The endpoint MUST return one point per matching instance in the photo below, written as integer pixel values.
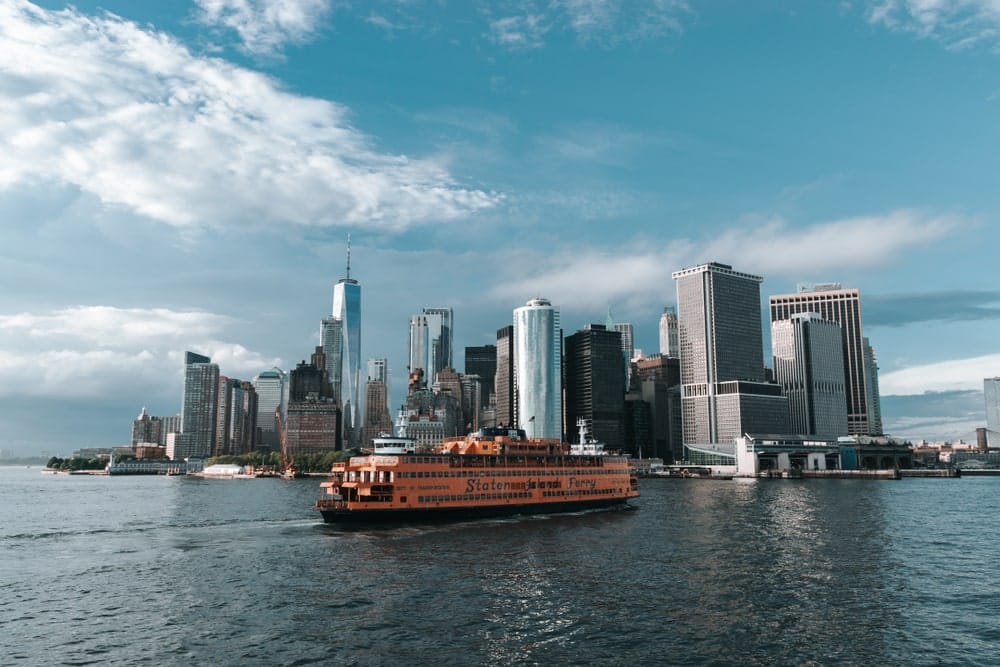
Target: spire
(610, 322)
(348, 255)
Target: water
(168, 570)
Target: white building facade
(538, 369)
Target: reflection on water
(178, 571)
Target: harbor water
(181, 571)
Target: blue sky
(183, 175)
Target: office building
(538, 369)
(198, 411)
(991, 392)
(504, 379)
(842, 306)
(658, 380)
(669, 343)
(313, 421)
(440, 334)
(146, 428)
(331, 339)
(595, 384)
(481, 361)
(378, 369)
(419, 359)
(236, 418)
(809, 366)
(871, 388)
(347, 309)
(724, 393)
(270, 387)
(377, 418)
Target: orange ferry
(494, 472)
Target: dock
(931, 472)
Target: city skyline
(176, 176)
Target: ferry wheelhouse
(493, 472)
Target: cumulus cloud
(264, 26)
(132, 117)
(94, 351)
(642, 272)
(956, 23)
(950, 375)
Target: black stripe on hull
(435, 514)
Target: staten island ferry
(493, 472)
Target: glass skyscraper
(538, 369)
(347, 309)
(270, 386)
(198, 413)
(595, 385)
(440, 328)
(331, 339)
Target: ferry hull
(445, 514)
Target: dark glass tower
(595, 384)
(481, 360)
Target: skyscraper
(991, 392)
(723, 389)
(481, 360)
(809, 366)
(627, 343)
(595, 385)
(377, 419)
(440, 327)
(871, 387)
(146, 428)
(538, 369)
(331, 339)
(378, 369)
(313, 417)
(506, 404)
(198, 412)
(236, 418)
(669, 345)
(270, 386)
(419, 358)
(347, 309)
(842, 306)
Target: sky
(184, 175)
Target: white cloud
(608, 21)
(957, 23)
(100, 351)
(614, 20)
(264, 26)
(775, 248)
(950, 375)
(519, 32)
(641, 272)
(132, 117)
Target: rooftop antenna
(348, 255)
